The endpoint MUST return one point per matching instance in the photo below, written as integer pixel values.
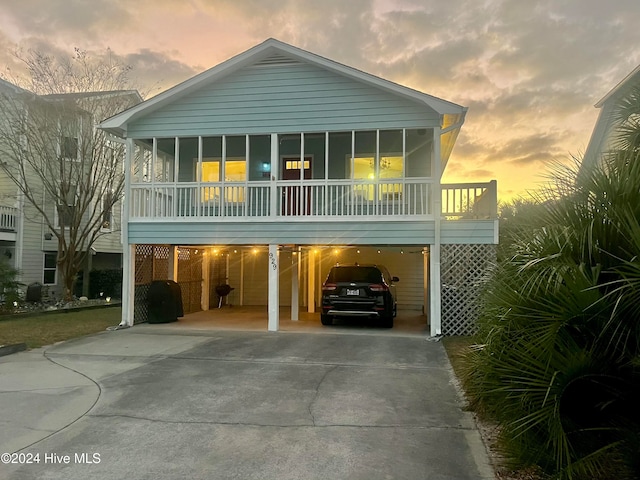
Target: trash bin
(34, 292)
(164, 301)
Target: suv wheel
(326, 319)
(386, 321)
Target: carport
(292, 289)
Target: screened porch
(328, 175)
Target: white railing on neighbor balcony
(309, 199)
(8, 218)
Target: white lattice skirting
(463, 268)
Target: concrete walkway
(153, 402)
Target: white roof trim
(117, 124)
(618, 87)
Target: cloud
(56, 17)
(529, 72)
(157, 71)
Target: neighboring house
(601, 137)
(266, 169)
(25, 239)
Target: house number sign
(274, 263)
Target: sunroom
(338, 174)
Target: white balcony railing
(309, 199)
(470, 200)
(8, 219)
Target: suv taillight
(378, 287)
(329, 287)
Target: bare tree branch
(63, 165)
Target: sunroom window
(378, 157)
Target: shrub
(558, 355)
(107, 282)
(9, 286)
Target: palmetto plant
(558, 357)
(626, 121)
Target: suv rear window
(354, 274)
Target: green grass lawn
(48, 328)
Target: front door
(296, 199)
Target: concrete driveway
(162, 403)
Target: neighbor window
(65, 212)
(69, 148)
(49, 270)
(107, 212)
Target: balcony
(8, 217)
(310, 200)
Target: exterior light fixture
(108, 299)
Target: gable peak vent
(277, 60)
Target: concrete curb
(9, 349)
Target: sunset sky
(530, 71)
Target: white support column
(434, 256)
(128, 251)
(295, 284)
(426, 279)
(435, 290)
(274, 288)
(311, 282)
(172, 274)
(241, 301)
(318, 278)
(275, 169)
(206, 281)
(128, 284)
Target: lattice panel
(190, 278)
(140, 305)
(144, 264)
(161, 262)
(151, 263)
(463, 269)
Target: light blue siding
(280, 99)
(261, 233)
(324, 233)
(469, 232)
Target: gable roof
(11, 86)
(619, 89)
(604, 123)
(269, 51)
(106, 94)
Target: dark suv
(359, 291)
